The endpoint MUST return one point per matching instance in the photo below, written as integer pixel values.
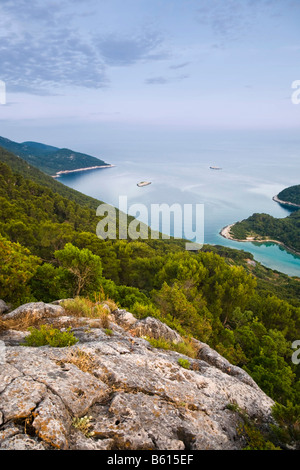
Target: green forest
(49, 250)
(48, 158)
(264, 226)
(291, 194)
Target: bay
(256, 165)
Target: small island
(264, 228)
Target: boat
(143, 183)
(215, 168)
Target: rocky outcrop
(38, 310)
(115, 391)
(155, 329)
(3, 307)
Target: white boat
(143, 183)
(215, 168)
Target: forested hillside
(48, 158)
(49, 250)
(28, 171)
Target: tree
(83, 265)
(17, 266)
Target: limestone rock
(52, 421)
(78, 390)
(215, 359)
(21, 442)
(156, 329)
(3, 307)
(135, 396)
(37, 310)
(123, 318)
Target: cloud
(157, 81)
(42, 51)
(231, 20)
(43, 62)
(118, 50)
(179, 66)
(47, 46)
(164, 80)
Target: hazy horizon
(74, 70)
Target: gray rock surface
(156, 329)
(38, 310)
(3, 307)
(133, 395)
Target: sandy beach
(63, 172)
(225, 232)
(286, 203)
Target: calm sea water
(255, 167)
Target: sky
(73, 67)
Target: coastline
(285, 203)
(63, 172)
(225, 232)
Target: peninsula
(264, 228)
(229, 233)
(289, 196)
(52, 160)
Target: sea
(255, 166)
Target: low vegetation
(84, 307)
(184, 363)
(46, 335)
(83, 424)
(184, 347)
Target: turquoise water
(255, 167)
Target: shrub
(287, 429)
(81, 359)
(184, 363)
(83, 307)
(185, 347)
(83, 424)
(108, 332)
(47, 335)
(79, 307)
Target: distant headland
(51, 160)
(289, 196)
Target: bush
(184, 363)
(108, 332)
(83, 424)
(185, 347)
(47, 335)
(83, 307)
